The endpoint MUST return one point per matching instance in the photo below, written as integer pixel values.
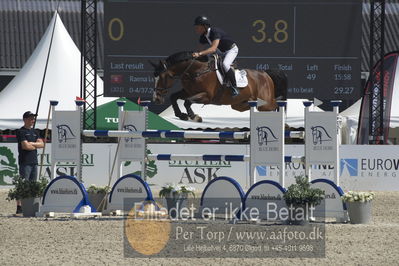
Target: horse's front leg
(173, 99)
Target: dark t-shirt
(24, 156)
(225, 42)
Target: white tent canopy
(350, 117)
(223, 116)
(61, 83)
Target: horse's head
(163, 81)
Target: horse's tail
(280, 83)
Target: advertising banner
(372, 93)
(362, 167)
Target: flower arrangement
(301, 193)
(175, 190)
(353, 196)
(24, 188)
(98, 189)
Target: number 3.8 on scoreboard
(277, 32)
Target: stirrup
(234, 91)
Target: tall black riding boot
(232, 82)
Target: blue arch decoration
(228, 179)
(270, 182)
(84, 201)
(138, 178)
(331, 183)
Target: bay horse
(201, 85)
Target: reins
(192, 75)
(196, 74)
(188, 67)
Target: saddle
(240, 75)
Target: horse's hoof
(183, 116)
(196, 118)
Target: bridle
(185, 73)
(194, 75)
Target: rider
(220, 43)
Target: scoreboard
(316, 43)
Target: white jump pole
(308, 166)
(121, 122)
(79, 109)
(144, 104)
(335, 105)
(53, 159)
(168, 134)
(281, 111)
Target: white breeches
(229, 57)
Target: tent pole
(45, 68)
(45, 141)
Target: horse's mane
(179, 57)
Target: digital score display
(316, 43)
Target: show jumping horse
(201, 85)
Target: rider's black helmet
(202, 20)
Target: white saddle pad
(241, 78)
(241, 75)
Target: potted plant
(359, 206)
(97, 196)
(300, 197)
(175, 196)
(29, 192)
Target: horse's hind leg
(190, 112)
(201, 97)
(268, 107)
